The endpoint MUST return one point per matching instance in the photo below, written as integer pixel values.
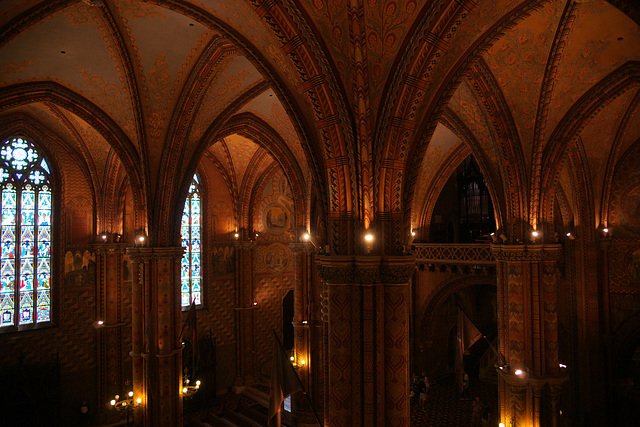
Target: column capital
(144, 253)
(366, 270)
(550, 252)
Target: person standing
(465, 385)
(423, 393)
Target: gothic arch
(568, 131)
(332, 133)
(27, 93)
(444, 291)
(415, 118)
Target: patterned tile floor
(443, 409)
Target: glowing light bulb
(130, 394)
(138, 400)
(413, 233)
(184, 390)
(291, 358)
(518, 372)
(305, 236)
(302, 362)
(113, 402)
(535, 233)
(236, 235)
(368, 237)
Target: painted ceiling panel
(233, 76)
(241, 17)
(74, 50)
(467, 107)
(161, 32)
(43, 114)
(388, 23)
(567, 186)
(597, 139)
(601, 40)
(219, 153)
(84, 50)
(268, 108)
(632, 134)
(332, 21)
(440, 147)
(96, 145)
(518, 61)
(242, 150)
(475, 24)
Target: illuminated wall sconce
(140, 240)
(236, 235)
(368, 238)
(413, 233)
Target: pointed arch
(567, 133)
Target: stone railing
(472, 257)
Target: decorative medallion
(276, 219)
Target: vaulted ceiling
(389, 95)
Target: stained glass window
(25, 262)
(190, 278)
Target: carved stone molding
(365, 269)
(527, 252)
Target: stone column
(368, 339)
(156, 321)
(111, 376)
(528, 277)
(244, 315)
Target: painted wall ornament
(634, 266)
(277, 219)
(276, 257)
(80, 268)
